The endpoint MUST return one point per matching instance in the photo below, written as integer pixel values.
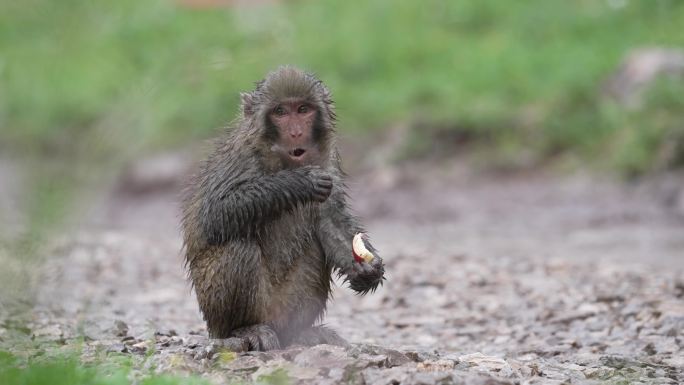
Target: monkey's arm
(337, 227)
(240, 206)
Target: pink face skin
(295, 122)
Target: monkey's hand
(366, 273)
(321, 182)
(365, 277)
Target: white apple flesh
(361, 253)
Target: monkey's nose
(296, 133)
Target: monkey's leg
(316, 335)
(259, 337)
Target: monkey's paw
(321, 182)
(259, 337)
(364, 277)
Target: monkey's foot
(320, 335)
(259, 337)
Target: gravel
(506, 280)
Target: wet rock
(239, 364)
(433, 377)
(581, 313)
(436, 366)
(129, 340)
(676, 361)
(617, 362)
(639, 69)
(393, 357)
(166, 333)
(139, 348)
(226, 344)
(480, 360)
(195, 341)
(601, 372)
(323, 356)
(53, 332)
(120, 328)
(417, 355)
(117, 348)
(276, 374)
(378, 361)
(392, 376)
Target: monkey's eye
(303, 109)
(280, 111)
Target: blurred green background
(112, 78)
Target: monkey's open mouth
(297, 152)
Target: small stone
(326, 356)
(377, 361)
(175, 341)
(617, 362)
(435, 366)
(227, 344)
(120, 328)
(393, 376)
(117, 348)
(418, 355)
(650, 349)
(166, 332)
(51, 331)
(488, 362)
(140, 347)
(128, 340)
(394, 357)
(602, 372)
(239, 364)
(676, 361)
(163, 341)
(194, 341)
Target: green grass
(111, 79)
(68, 371)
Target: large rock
(639, 69)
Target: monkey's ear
(247, 103)
(328, 101)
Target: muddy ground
(491, 279)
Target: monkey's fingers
(321, 182)
(322, 191)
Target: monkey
(266, 223)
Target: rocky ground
(525, 279)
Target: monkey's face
(297, 137)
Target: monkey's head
(294, 114)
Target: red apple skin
(357, 258)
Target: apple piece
(361, 253)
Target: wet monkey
(265, 219)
